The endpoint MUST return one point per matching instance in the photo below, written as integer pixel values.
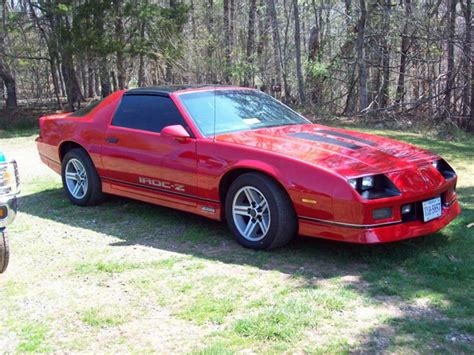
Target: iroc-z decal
(161, 184)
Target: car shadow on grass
(437, 269)
(135, 223)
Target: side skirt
(205, 208)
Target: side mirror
(175, 131)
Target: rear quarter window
(147, 113)
(86, 110)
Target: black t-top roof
(165, 90)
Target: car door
(136, 157)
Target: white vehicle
(9, 189)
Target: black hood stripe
(323, 139)
(347, 136)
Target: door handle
(112, 140)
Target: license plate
(431, 209)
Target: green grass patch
(99, 319)
(33, 338)
(115, 267)
(336, 346)
(280, 321)
(208, 309)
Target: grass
(126, 276)
(113, 267)
(33, 336)
(208, 309)
(97, 318)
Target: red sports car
(236, 154)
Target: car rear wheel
(259, 212)
(4, 251)
(80, 179)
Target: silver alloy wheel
(76, 178)
(251, 213)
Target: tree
(360, 45)
(404, 47)
(271, 10)
(299, 70)
(250, 43)
(5, 73)
(450, 73)
(227, 48)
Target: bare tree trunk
(250, 43)
(451, 75)
(210, 77)
(276, 41)
(262, 53)
(360, 45)
(5, 72)
(54, 75)
(2, 92)
(61, 81)
(96, 81)
(227, 49)
(299, 70)
(82, 68)
(53, 54)
(193, 20)
(314, 83)
(62, 26)
(105, 85)
(384, 92)
(231, 23)
(120, 39)
(470, 123)
(73, 91)
(169, 63)
(386, 76)
(467, 51)
(90, 75)
(10, 85)
(403, 54)
(141, 59)
(114, 81)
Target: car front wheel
(259, 212)
(80, 179)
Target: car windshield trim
(237, 110)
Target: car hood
(348, 153)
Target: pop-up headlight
(444, 168)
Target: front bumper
(10, 207)
(381, 234)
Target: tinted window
(147, 112)
(85, 110)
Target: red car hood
(345, 152)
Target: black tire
(93, 194)
(4, 251)
(283, 223)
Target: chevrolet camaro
(239, 155)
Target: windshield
(237, 110)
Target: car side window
(147, 113)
